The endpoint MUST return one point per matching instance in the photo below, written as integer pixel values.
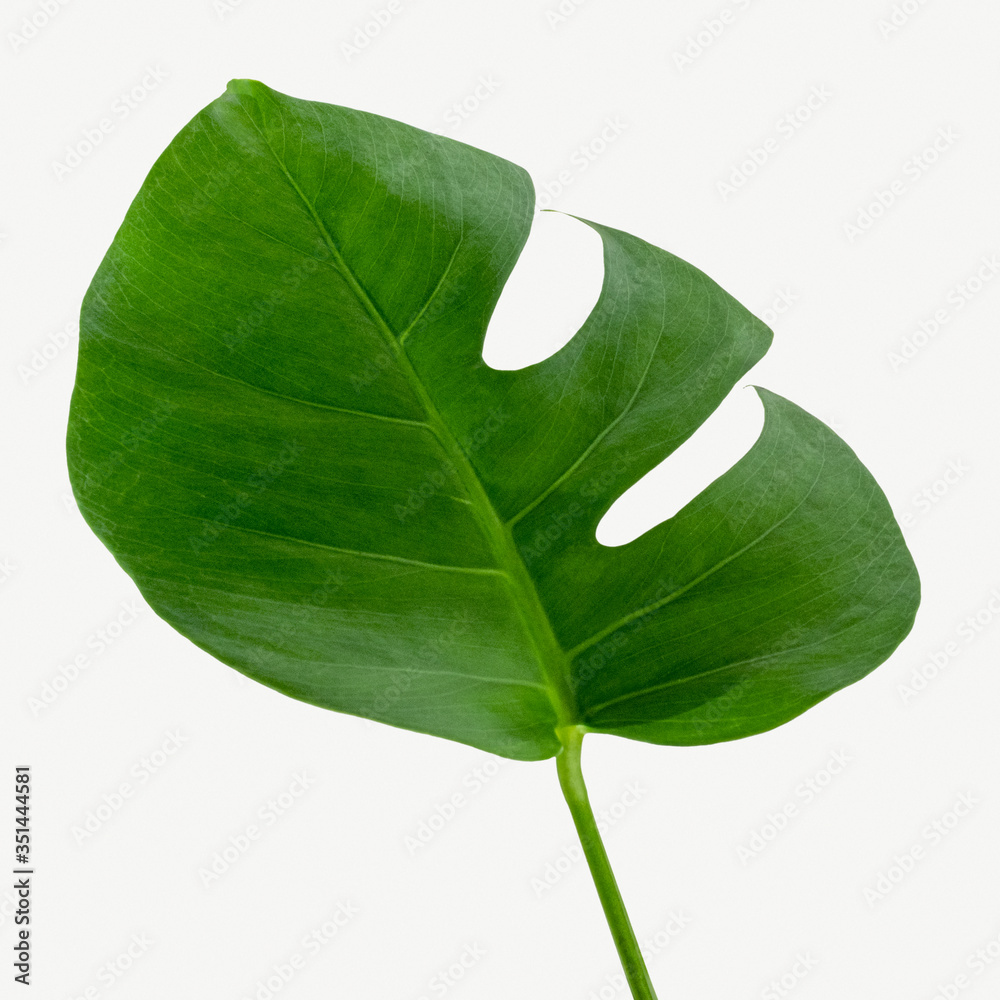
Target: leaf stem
(575, 792)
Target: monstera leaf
(284, 430)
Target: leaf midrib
(552, 660)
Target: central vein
(552, 659)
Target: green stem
(575, 791)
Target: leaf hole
(551, 291)
(721, 441)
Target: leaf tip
(764, 394)
(246, 88)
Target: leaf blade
(284, 430)
(865, 594)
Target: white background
(927, 429)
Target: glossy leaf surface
(284, 430)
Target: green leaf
(284, 430)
